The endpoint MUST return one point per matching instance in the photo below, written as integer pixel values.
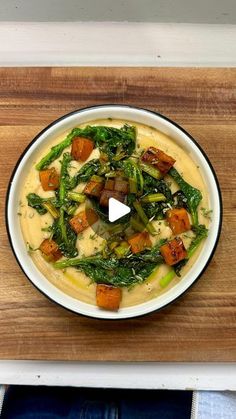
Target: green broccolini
(134, 174)
(115, 142)
(36, 202)
(148, 196)
(193, 195)
(64, 178)
(123, 272)
(156, 210)
(40, 204)
(63, 235)
(201, 233)
(57, 150)
(85, 173)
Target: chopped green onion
(136, 224)
(97, 179)
(133, 186)
(134, 174)
(76, 196)
(122, 250)
(71, 209)
(116, 229)
(113, 245)
(154, 197)
(150, 170)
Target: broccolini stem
(166, 279)
(62, 226)
(192, 249)
(74, 262)
(51, 209)
(153, 274)
(64, 177)
(201, 234)
(56, 150)
(144, 218)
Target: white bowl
(68, 122)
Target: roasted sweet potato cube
(178, 220)
(121, 185)
(81, 148)
(83, 219)
(106, 195)
(93, 188)
(159, 159)
(173, 251)
(109, 185)
(139, 241)
(92, 216)
(49, 179)
(108, 296)
(50, 249)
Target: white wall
(116, 44)
(185, 11)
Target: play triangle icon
(116, 210)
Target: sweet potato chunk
(178, 220)
(50, 249)
(108, 296)
(81, 148)
(109, 185)
(158, 159)
(106, 195)
(121, 185)
(93, 188)
(49, 179)
(139, 242)
(83, 219)
(173, 251)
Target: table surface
(201, 325)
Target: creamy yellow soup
(76, 283)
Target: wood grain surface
(201, 325)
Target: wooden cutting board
(201, 325)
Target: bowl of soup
(113, 211)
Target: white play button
(116, 209)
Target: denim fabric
(216, 405)
(25, 402)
